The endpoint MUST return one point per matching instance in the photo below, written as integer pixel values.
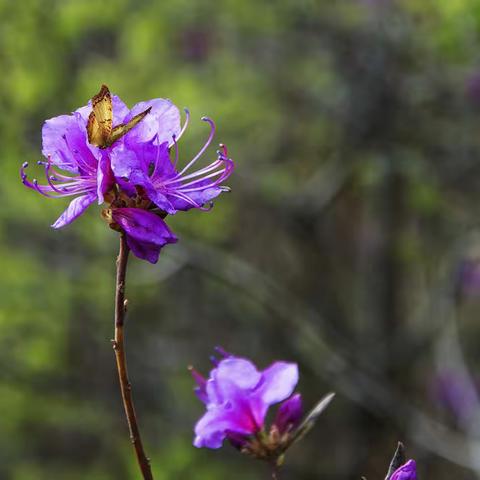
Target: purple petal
(146, 232)
(212, 428)
(124, 161)
(158, 198)
(75, 209)
(162, 122)
(135, 163)
(200, 390)
(408, 471)
(105, 178)
(144, 250)
(278, 382)
(201, 197)
(120, 110)
(237, 371)
(289, 414)
(64, 142)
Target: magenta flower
(408, 471)
(238, 396)
(106, 152)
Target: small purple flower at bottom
(237, 396)
(408, 471)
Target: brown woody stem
(119, 348)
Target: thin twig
(119, 348)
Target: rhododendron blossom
(237, 396)
(107, 153)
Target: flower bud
(289, 414)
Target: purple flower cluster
(134, 173)
(237, 397)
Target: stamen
(207, 169)
(224, 149)
(71, 186)
(222, 352)
(207, 144)
(184, 197)
(214, 174)
(156, 166)
(187, 120)
(198, 377)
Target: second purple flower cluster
(106, 152)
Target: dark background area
(350, 243)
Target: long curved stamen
(197, 185)
(68, 187)
(223, 174)
(50, 178)
(157, 156)
(207, 144)
(207, 169)
(186, 198)
(214, 174)
(185, 124)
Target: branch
(119, 348)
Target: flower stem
(119, 348)
(275, 470)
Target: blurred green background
(350, 243)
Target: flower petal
(134, 162)
(212, 428)
(144, 250)
(163, 121)
(146, 232)
(64, 142)
(239, 371)
(76, 207)
(105, 177)
(124, 162)
(201, 198)
(407, 471)
(278, 382)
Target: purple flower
(237, 397)
(106, 152)
(408, 471)
(87, 171)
